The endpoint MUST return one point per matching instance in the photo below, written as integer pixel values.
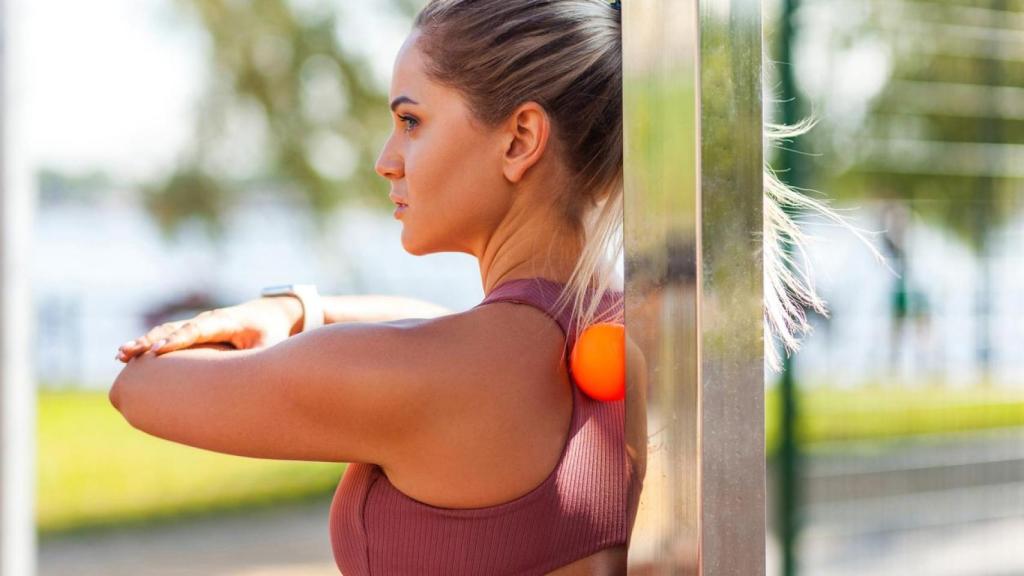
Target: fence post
(17, 389)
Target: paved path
(292, 541)
(984, 548)
(948, 509)
(942, 506)
(285, 540)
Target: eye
(411, 122)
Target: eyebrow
(400, 100)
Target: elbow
(114, 396)
(119, 397)
(118, 394)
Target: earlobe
(527, 133)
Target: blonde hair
(788, 284)
(565, 55)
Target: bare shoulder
(487, 347)
(500, 406)
(496, 324)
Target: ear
(526, 136)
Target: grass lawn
(95, 470)
(883, 411)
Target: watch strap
(312, 306)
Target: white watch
(312, 308)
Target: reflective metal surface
(693, 166)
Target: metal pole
(693, 219)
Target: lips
(397, 199)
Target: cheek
(454, 174)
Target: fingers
(209, 326)
(187, 334)
(142, 344)
(212, 326)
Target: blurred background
(181, 154)
(896, 435)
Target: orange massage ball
(598, 361)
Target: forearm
(364, 308)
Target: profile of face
(456, 176)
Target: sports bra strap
(543, 294)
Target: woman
(471, 449)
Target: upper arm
(352, 392)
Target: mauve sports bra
(587, 503)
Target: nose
(389, 163)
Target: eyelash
(409, 119)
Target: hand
(253, 324)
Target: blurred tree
(909, 117)
(289, 106)
(922, 104)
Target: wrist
(289, 307)
(308, 298)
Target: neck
(529, 247)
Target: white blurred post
(17, 386)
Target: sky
(112, 84)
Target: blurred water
(97, 269)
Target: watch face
(277, 290)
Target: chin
(416, 252)
(411, 247)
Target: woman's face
(443, 166)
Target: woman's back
(537, 480)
